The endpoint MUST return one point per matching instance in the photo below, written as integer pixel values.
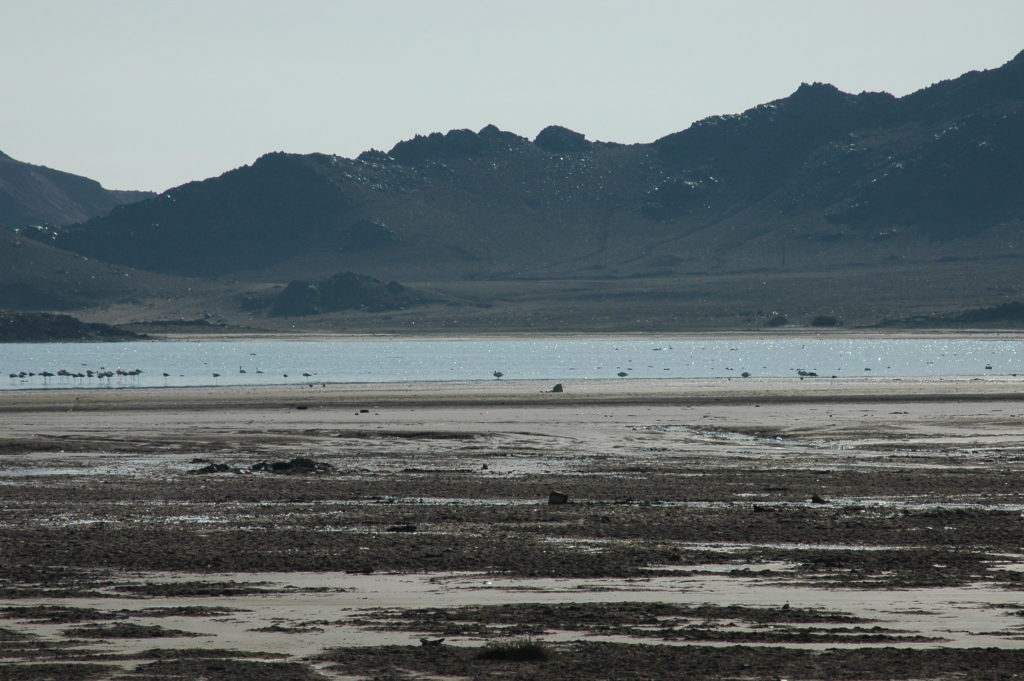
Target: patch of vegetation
(281, 629)
(515, 650)
(887, 569)
(585, 661)
(198, 653)
(33, 648)
(219, 669)
(180, 589)
(11, 635)
(616, 616)
(55, 672)
(57, 614)
(661, 620)
(181, 611)
(125, 630)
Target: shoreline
(839, 333)
(751, 334)
(523, 393)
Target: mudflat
(812, 529)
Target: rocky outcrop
(21, 327)
(343, 291)
(559, 140)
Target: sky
(150, 94)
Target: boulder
(558, 498)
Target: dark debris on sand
(298, 466)
(585, 661)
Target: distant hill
(343, 291)
(23, 327)
(35, 195)
(35, 275)
(818, 179)
(444, 212)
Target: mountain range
(863, 206)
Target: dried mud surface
(397, 532)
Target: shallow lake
(206, 363)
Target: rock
(407, 527)
(558, 140)
(558, 498)
(826, 320)
(214, 468)
(342, 291)
(815, 499)
(375, 156)
(558, 388)
(437, 147)
(297, 466)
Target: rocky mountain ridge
(818, 201)
(818, 178)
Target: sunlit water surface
(208, 363)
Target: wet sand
(689, 526)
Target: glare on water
(211, 363)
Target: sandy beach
(755, 528)
(668, 392)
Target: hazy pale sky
(147, 94)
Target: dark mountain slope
(965, 179)
(815, 181)
(247, 218)
(745, 156)
(36, 195)
(24, 327)
(36, 276)
(459, 204)
(970, 92)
